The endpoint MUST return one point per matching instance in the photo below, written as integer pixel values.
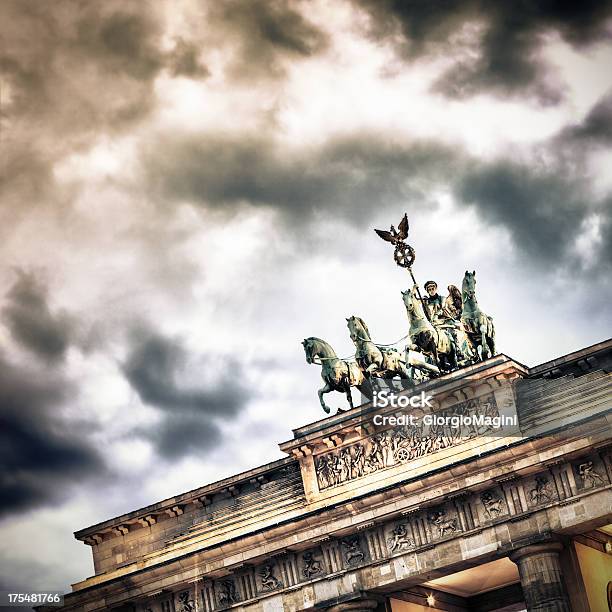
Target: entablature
(542, 483)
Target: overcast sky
(188, 189)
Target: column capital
(356, 605)
(536, 549)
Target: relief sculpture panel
(404, 443)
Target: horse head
(307, 344)
(358, 328)
(406, 299)
(411, 300)
(315, 347)
(468, 287)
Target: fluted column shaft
(541, 577)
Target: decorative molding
(93, 540)
(512, 498)
(120, 530)
(397, 446)
(174, 511)
(203, 501)
(147, 521)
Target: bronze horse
(476, 324)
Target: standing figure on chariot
(445, 312)
(434, 303)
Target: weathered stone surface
(274, 538)
(541, 577)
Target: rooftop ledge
(443, 384)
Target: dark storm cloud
(31, 321)
(156, 368)
(605, 235)
(347, 177)
(505, 57)
(261, 35)
(595, 130)
(72, 72)
(184, 60)
(184, 434)
(79, 67)
(542, 208)
(82, 66)
(41, 454)
(542, 205)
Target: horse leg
(349, 397)
(417, 360)
(436, 356)
(472, 348)
(483, 340)
(477, 346)
(320, 392)
(452, 357)
(403, 372)
(365, 388)
(491, 338)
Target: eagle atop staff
(403, 254)
(395, 236)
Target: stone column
(541, 577)
(356, 605)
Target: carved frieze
(404, 443)
(542, 492)
(312, 565)
(589, 476)
(445, 524)
(227, 593)
(185, 602)
(419, 529)
(400, 538)
(269, 581)
(352, 551)
(493, 504)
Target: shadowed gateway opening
(493, 586)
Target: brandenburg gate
(359, 516)
(497, 496)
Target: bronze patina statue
(434, 303)
(375, 360)
(477, 325)
(452, 303)
(337, 374)
(425, 336)
(445, 314)
(403, 254)
(445, 333)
